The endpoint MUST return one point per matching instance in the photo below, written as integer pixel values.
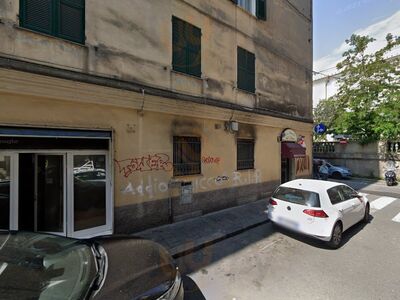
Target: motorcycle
(390, 175)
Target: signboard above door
(288, 135)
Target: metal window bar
(186, 155)
(245, 154)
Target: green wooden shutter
(251, 77)
(241, 68)
(261, 9)
(245, 70)
(178, 45)
(71, 20)
(37, 15)
(193, 50)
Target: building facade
(119, 115)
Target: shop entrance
(41, 188)
(56, 181)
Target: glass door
(89, 194)
(8, 191)
(49, 206)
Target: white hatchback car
(321, 209)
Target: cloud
(378, 31)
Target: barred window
(245, 154)
(187, 153)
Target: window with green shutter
(186, 47)
(60, 18)
(246, 62)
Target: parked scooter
(390, 174)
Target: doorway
(42, 193)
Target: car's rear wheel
(337, 175)
(366, 214)
(336, 238)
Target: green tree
(367, 105)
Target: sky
(337, 20)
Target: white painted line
(382, 202)
(3, 267)
(396, 218)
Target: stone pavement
(191, 235)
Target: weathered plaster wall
(141, 193)
(131, 40)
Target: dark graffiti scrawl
(156, 162)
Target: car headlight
(173, 291)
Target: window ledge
(247, 92)
(50, 36)
(186, 74)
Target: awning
(292, 150)
(57, 133)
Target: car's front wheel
(336, 238)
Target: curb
(217, 240)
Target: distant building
(121, 115)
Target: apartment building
(119, 115)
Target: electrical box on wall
(232, 126)
(186, 193)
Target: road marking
(382, 202)
(396, 218)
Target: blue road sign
(320, 128)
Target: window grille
(186, 155)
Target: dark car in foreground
(42, 266)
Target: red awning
(292, 150)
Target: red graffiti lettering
(156, 162)
(210, 160)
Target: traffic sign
(320, 128)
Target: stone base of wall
(137, 217)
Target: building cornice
(20, 77)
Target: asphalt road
(264, 263)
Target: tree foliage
(367, 105)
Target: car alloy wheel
(336, 238)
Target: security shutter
(245, 70)
(261, 9)
(37, 15)
(71, 20)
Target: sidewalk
(191, 235)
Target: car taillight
(273, 202)
(315, 213)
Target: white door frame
(68, 190)
(95, 231)
(13, 213)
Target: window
(334, 195)
(186, 40)
(246, 70)
(245, 154)
(347, 192)
(187, 152)
(297, 196)
(255, 7)
(60, 18)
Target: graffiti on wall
(155, 162)
(152, 186)
(302, 164)
(210, 160)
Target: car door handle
(341, 210)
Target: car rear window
(297, 196)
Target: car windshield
(39, 266)
(297, 196)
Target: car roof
(317, 186)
